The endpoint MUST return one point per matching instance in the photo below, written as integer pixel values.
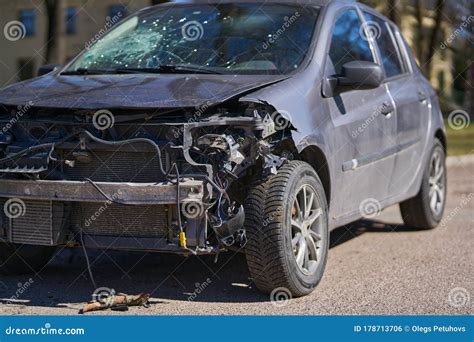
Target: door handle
(387, 109)
(422, 96)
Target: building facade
(24, 26)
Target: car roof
(291, 2)
(319, 3)
(295, 2)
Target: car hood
(131, 91)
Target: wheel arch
(441, 136)
(315, 157)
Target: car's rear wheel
(287, 230)
(425, 211)
(23, 259)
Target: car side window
(347, 43)
(389, 52)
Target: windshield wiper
(168, 69)
(85, 71)
(162, 69)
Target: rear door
(365, 133)
(411, 102)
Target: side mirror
(355, 75)
(46, 69)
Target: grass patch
(460, 141)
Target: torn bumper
(124, 216)
(127, 193)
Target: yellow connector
(182, 239)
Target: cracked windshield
(227, 39)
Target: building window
(71, 22)
(26, 68)
(28, 19)
(117, 11)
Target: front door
(365, 139)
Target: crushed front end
(165, 181)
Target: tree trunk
(419, 32)
(470, 71)
(393, 11)
(55, 52)
(470, 91)
(434, 43)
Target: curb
(460, 160)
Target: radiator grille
(137, 167)
(118, 220)
(43, 221)
(38, 223)
(35, 225)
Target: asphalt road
(375, 267)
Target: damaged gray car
(209, 126)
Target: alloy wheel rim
(437, 184)
(306, 229)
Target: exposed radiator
(43, 222)
(119, 220)
(119, 166)
(38, 223)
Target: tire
(23, 259)
(270, 252)
(418, 212)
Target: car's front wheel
(287, 230)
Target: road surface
(377, 267)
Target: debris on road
(117, 302)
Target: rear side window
(389, 52)
(347, 43)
